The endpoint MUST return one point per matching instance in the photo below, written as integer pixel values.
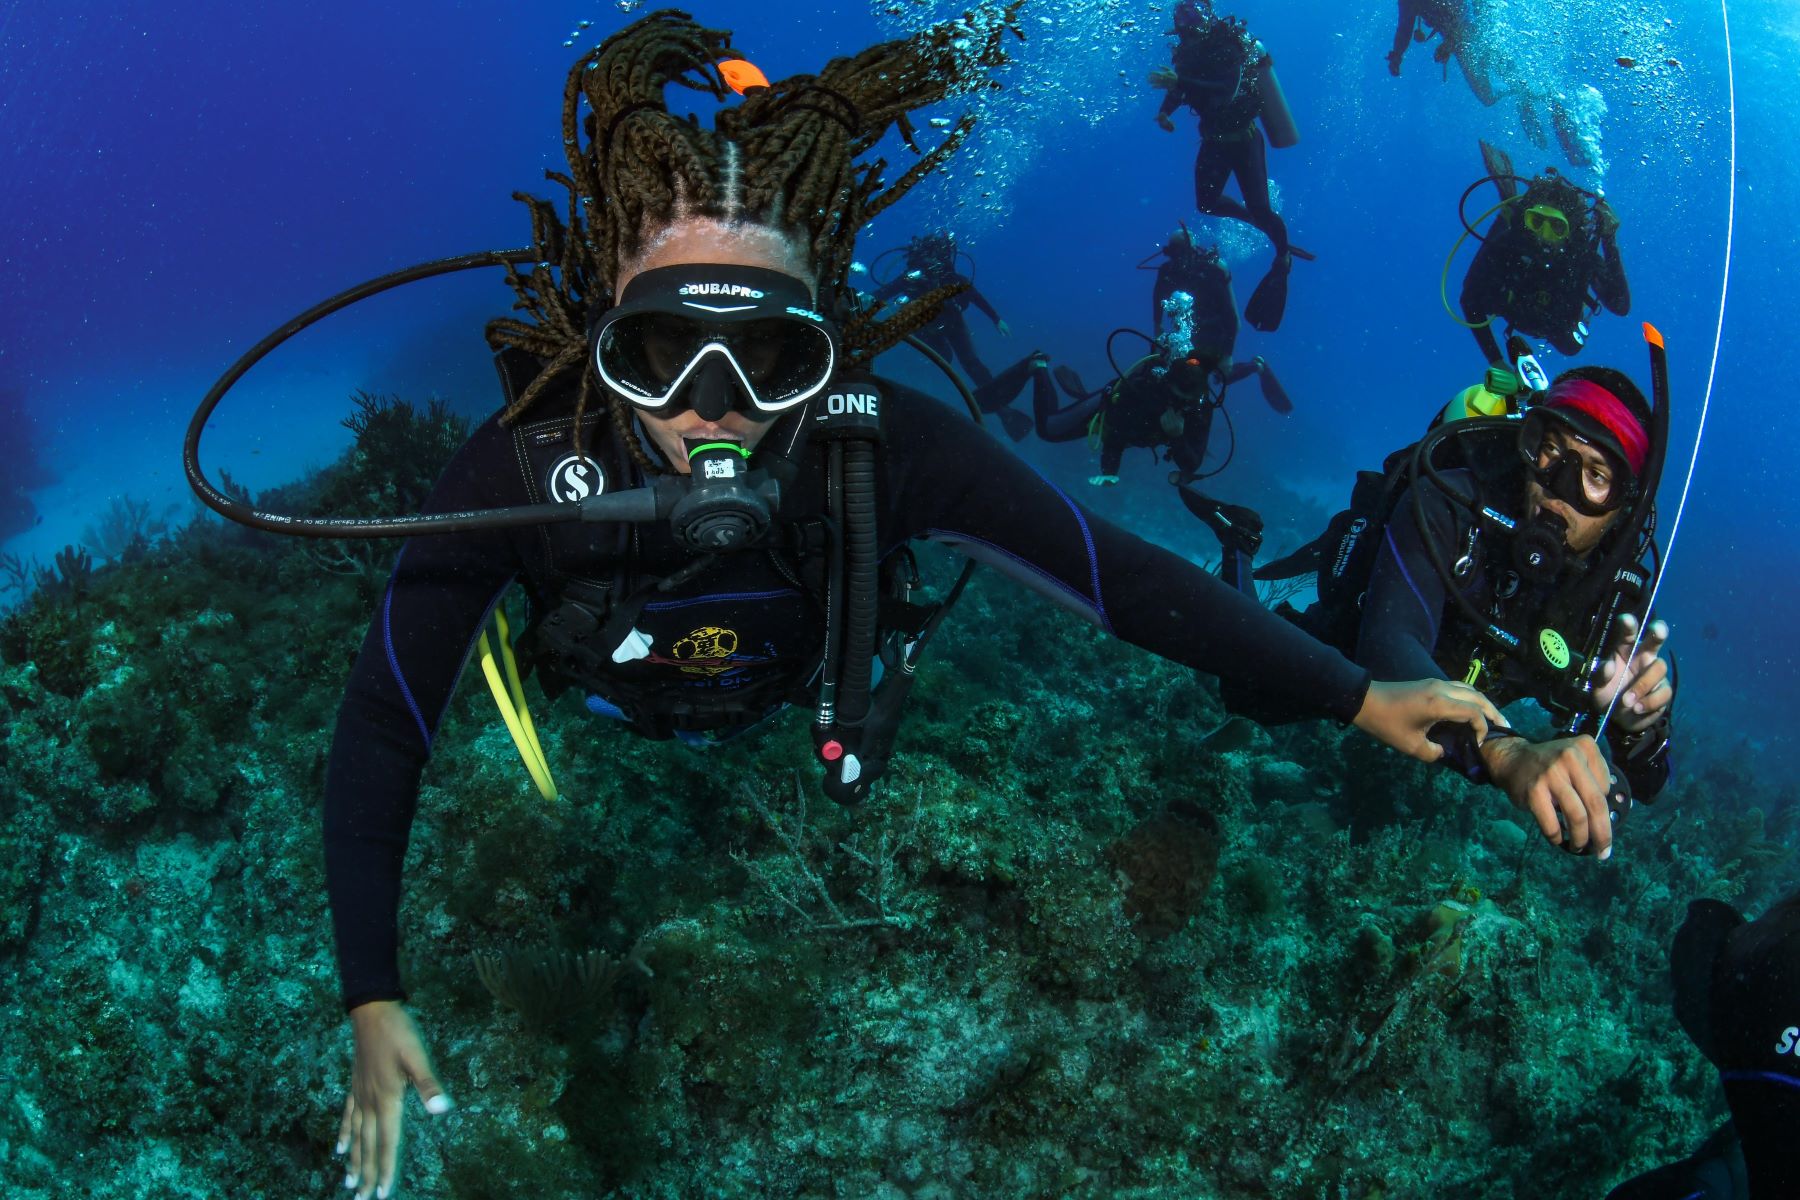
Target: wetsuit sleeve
(424, 625)
(1611, 285)
(953, 484)
(980, 301)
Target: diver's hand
(1565, 778)
(1648, 690)
(1162, 78)
(1163, 123)
(1002, 328)
(1401, 714)
(1606, 221)
(1394, 62)
(389, 1054)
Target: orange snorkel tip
(1653, 335)
(740, 75)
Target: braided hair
(789, 159)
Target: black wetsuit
(1737, 993)
(1541, 291)
(1216, 76)
(949, 333)
(745, 634)
(1411, 628)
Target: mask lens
(646, 355)
(1547, 223)
(782, 359)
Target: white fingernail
(1606, 854)
(343, 1145)
(382, 1192)
(350, 1180)
(1630, 699)
(438, 1105)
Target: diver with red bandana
(1516, 553)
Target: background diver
(1454, 22)
(1411, 579)
(1550, 260)
(631, 383)
(930, 265)
(1163, 404)
(1228, 79)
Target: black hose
(862, 579)
(354, 527)
(1113, 362)
(832, 662)
(942, 364)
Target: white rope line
(1712, 374)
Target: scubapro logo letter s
(575, 478)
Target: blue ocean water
(176, 180)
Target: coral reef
(1088, 940)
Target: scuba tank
(1277, 117)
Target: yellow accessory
(1475, 401)
(1473, 673)
(1444, 279)
(509, 695)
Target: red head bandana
(1588, 398)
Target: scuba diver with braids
(929, 265)
(1228, 79)
(1549, 262)
(1509, 552)
(701, 488)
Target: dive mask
(1562, 473)
(715, 339)
(1547, 224)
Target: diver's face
(1598, 479)
(708, 242)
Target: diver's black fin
(1268, 303)
(1698, 944)
(1273, 392)
(1071, 383)
(1499, 164)
(1016, 423)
